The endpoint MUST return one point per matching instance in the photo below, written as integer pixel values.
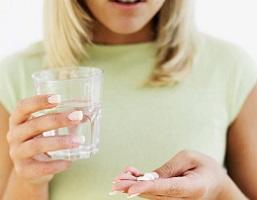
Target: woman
(167, 88)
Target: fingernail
(54, 99)
(76, 116)
(49, 133)
(116, 181)
(78, 139)
(132, 196)
(115, 193)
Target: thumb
(178, 165)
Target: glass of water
(80, 89)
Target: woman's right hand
(24, 145)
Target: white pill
(148, 177)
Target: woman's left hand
(188, 175)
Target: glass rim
(97, 73)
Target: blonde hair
(67, 29)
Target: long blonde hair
(67, 29)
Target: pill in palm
(148, 177)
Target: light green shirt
(145, 127)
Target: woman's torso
(145, 127)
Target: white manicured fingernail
(54, 99)
(78, 139)
(49, 133)
(76, 116)
(133, 195)
(115, 193)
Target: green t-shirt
(145, 127)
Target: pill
(148, 177)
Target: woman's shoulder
(30, 57)
(15, 74)
(235, 71)
(223, 50)
(225, 55)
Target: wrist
(230, 191)
(36, 186)
(36, 190)
(226, 188)
(32, 184)
(20, 188)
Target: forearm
(17, 188)
(231, 191)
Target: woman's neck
(102, 35)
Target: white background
(233, 20)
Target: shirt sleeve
(243, 79)
(8, 83)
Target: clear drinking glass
(80, 89)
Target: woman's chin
(125, 31)
(126, 28)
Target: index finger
(27, 106)
(134, 171)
